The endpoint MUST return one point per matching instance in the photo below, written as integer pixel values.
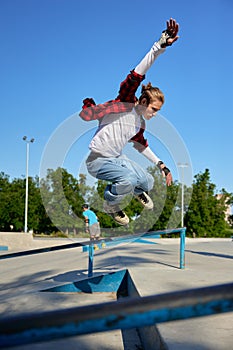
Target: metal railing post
(90, 259)
(182, 247)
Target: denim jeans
(126, 176)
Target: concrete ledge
(21, 241)
(16, 240)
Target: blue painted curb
(105, 283)
(3, 247)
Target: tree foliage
(62, 199)
(206, 212)
(55, 203)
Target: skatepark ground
(153, 266)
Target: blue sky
(54, 53)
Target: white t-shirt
(114, 132)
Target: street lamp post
(182, 166)
(26, 191)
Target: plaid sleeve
(139, 141)
(129, 87)
(96, 112)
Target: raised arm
(168, 37)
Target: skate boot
(116, 213)
(145, 200)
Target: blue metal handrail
(125, 313)
(131, 238)
(115, 240)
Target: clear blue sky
(54, 53)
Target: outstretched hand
(165, 172)
(169, 179)
(172, 30)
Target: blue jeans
(127, 177)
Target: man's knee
(150, 182)
(147, 182)
(125, 186)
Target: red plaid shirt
(124, 102)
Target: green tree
(55, 203)
(85, 190)
(206, 213)
(62, 200)
(12, 204)
(5, 192)
(15, 205)
(38, 220)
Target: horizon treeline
(55, 205)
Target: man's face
(152, 109)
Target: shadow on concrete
(30, 279)
(215, 255)
(68, 276)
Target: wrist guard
(163, 168)
(163, 39)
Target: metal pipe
(182, 248)
(26, 194)
(90, 259)
(86, 243)
(26, 191)
(122, 314)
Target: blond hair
(151, 93)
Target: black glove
(163, 168)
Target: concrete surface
(154, 270)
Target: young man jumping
(123, 120)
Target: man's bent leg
(115, 170)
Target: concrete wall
(19, 241)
